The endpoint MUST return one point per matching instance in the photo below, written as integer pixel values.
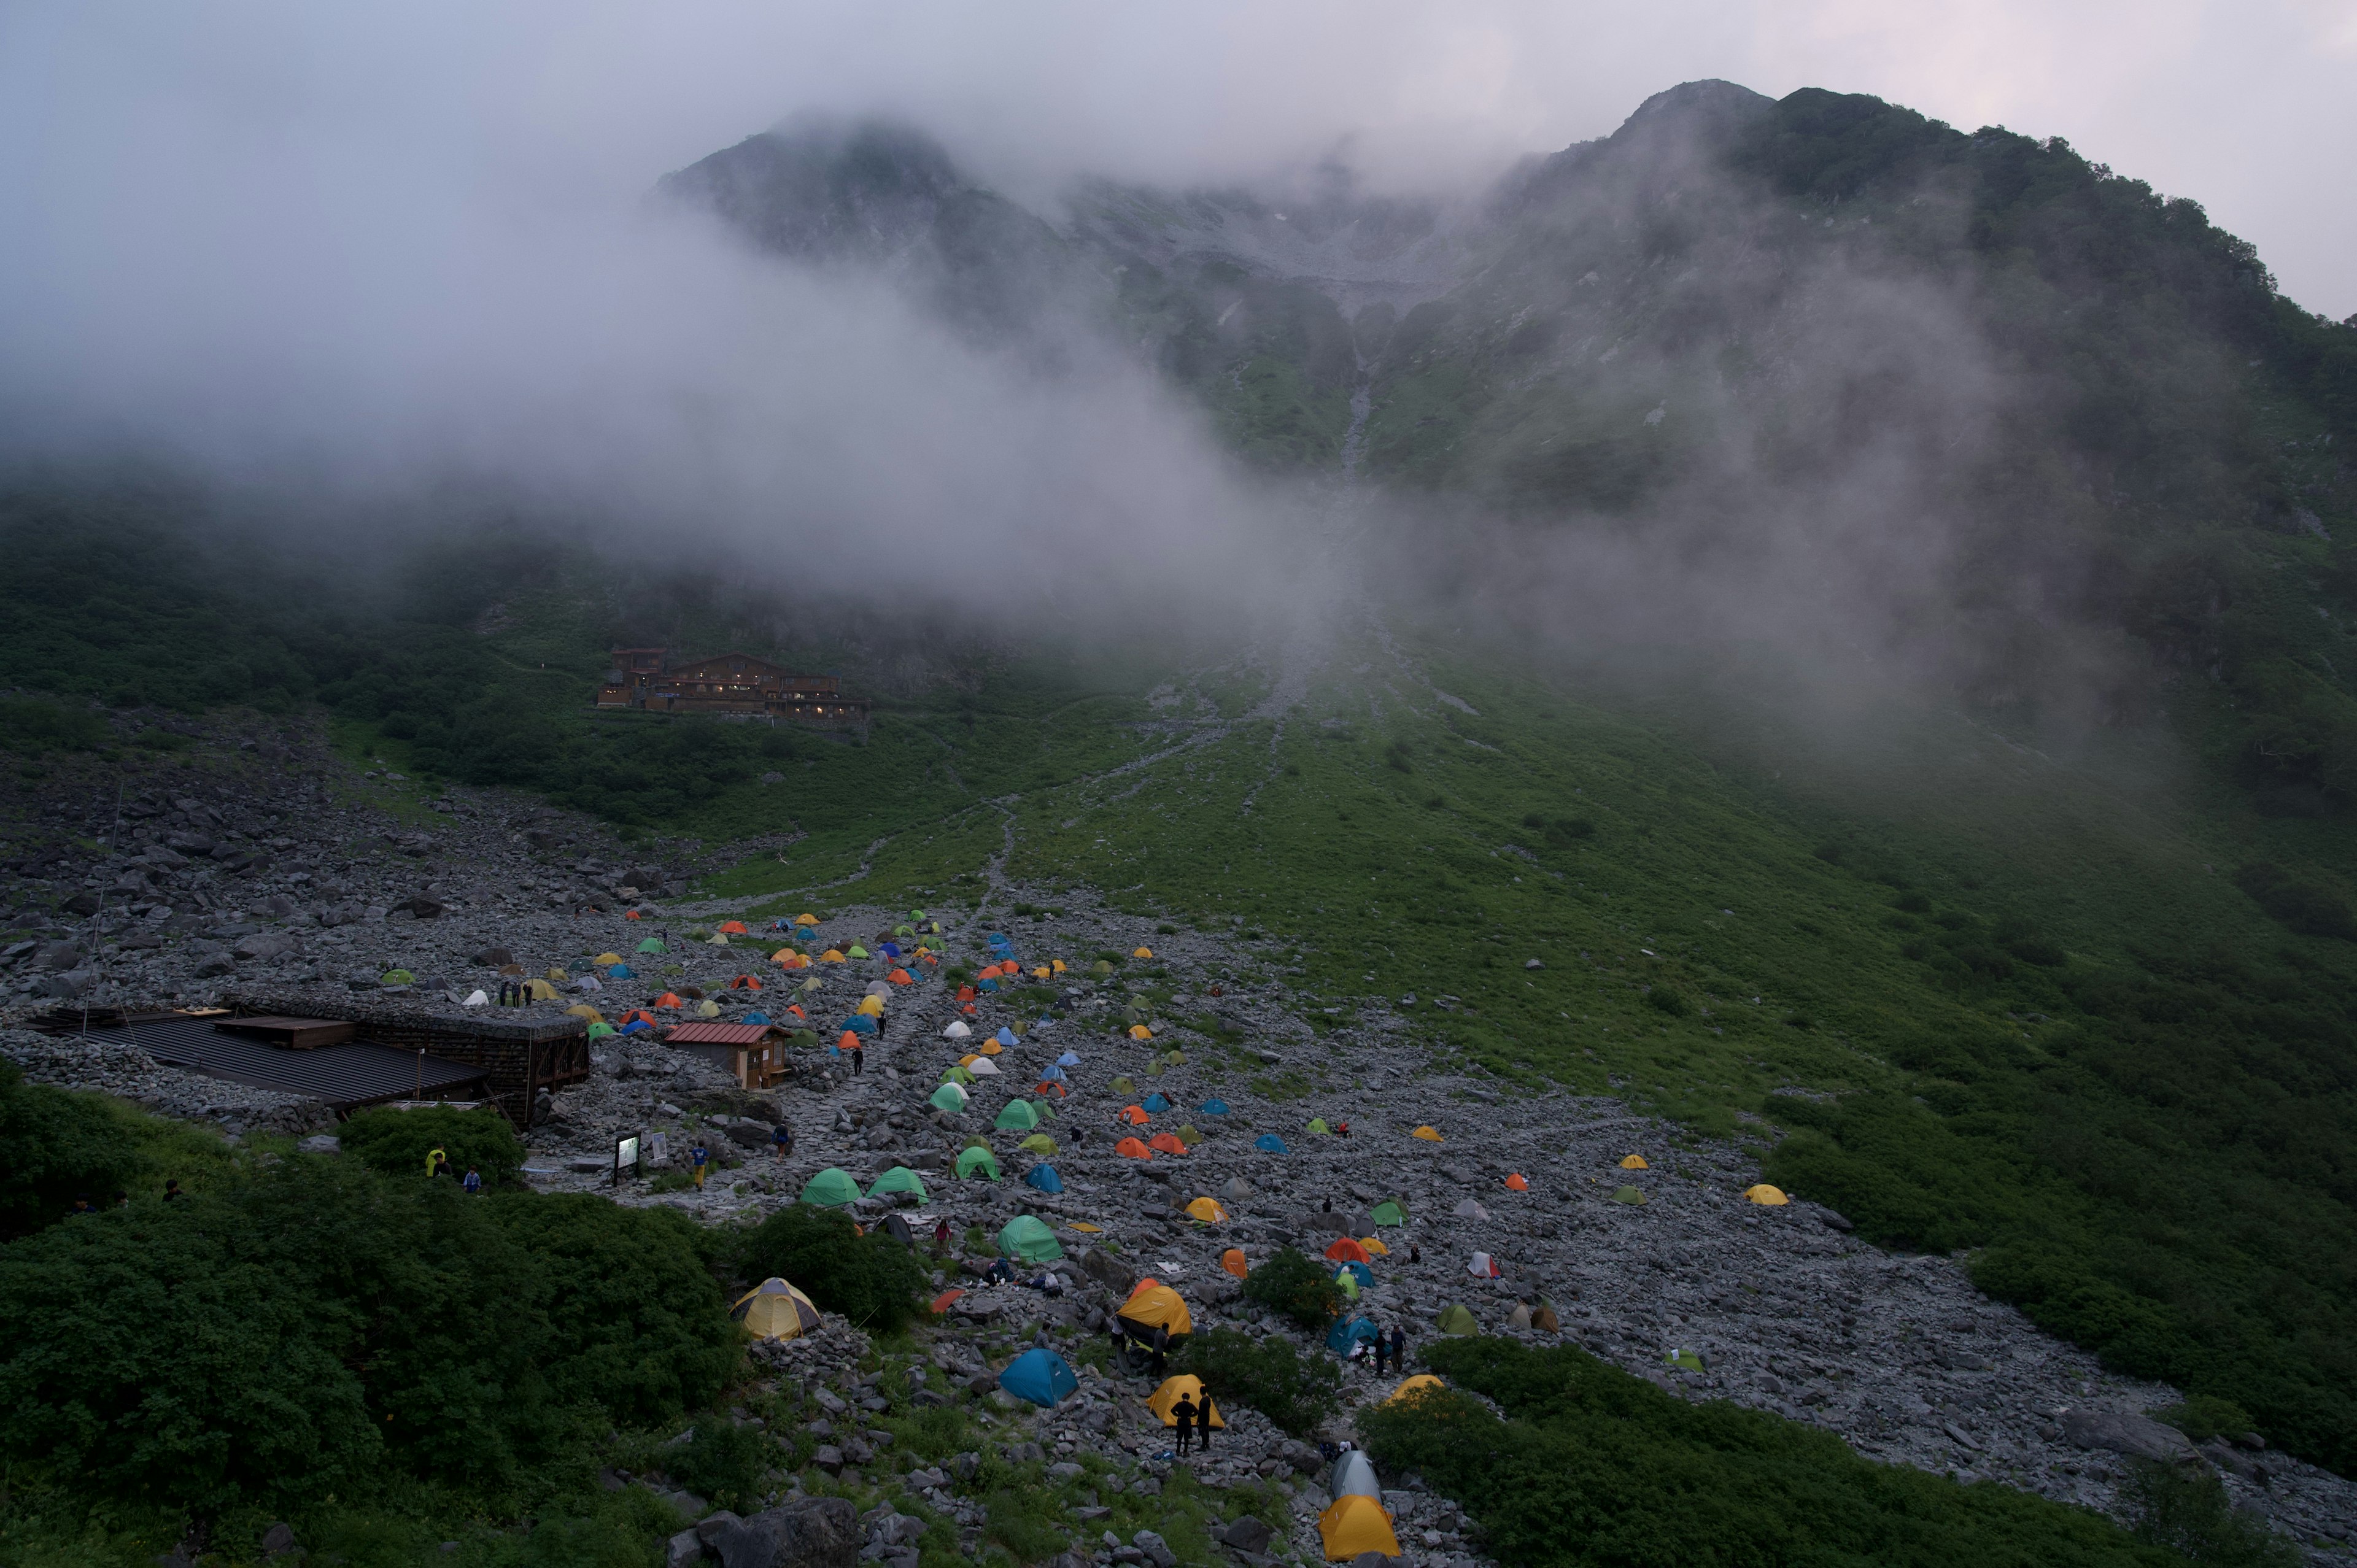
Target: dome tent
(1349, 1331)
(1016, 1116)
(1355, 1526)
(1043, 1176)
(1270, 1144)
(1213, 1107)
(1353, 1475)
(830, 1188)
(1131, 1149)
(1413, 1387)
(949, 1097)
(1629, 1195)
(1155, 1306)
(1027, 1238)
(1185, 1386)
(1208, 1210)
(1039, 1377)
(775, 1310)
(982, 1160)
(1154, 1104)
(1457, 1321)
(1389, 1213)
(900, 1178)
(1037, 1143)
(1766, 1197)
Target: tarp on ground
(1028, 1238)
(1041, 1377)
(900, 1178)
(775, 1310)
(1185, 1386)
(978, 1160)
(830, 1188)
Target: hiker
(1161, 1347)
(442, 1163)
(781, 1141)
(1203, 1423)
(172, 1192)
(941, 1235)
(858, 1054)
(434, 1160)
(474, 1182)
(1399, 1348)
(1415, 1254)
(699, 1156)
(1184, 1412)
(1327, 1206)
(1382, 1352)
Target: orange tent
(1043, 1087)
(1133, 1114)
(796, 1009)
(638, 1014)
(744, 982)
(989, 1048)
(630, 914)
(786, 958)
(1147, 1283)
(846, 1041)
(967, 1009)
(832, 956)
(1131, 1149)
(928, 958)
(1168, 1142)
(965, 994)
(1515, 1183)
(1233, 1260)
(733, 928)
(1346, 1251)
(900, 977)
(669, 999)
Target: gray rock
(684, 1548)
(278, 1540)
(2138, 1436)
(322, 1144)
(808, 1532)
(1247, 1534)
(1107, 1270)
(1158, 1551)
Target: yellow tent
(1140, 1032)
(1184, 1386)
(1429, 1134)
(831, 956)
(603, 958)
(1407, 1388)
(1208, 1210)
(1356, 1524)
(1057, 965)
(1766, 1197)
(1635, 1163)
(871, 1006)
(717, 940)
(775, 1310)
(1375, 1244)
(1142, 952)
(707, 1008)
(1158, 1306)
(583, 1010)
(540, 990)
(1039, 975)
(989, 1048)
(805, 919)
(557, 976)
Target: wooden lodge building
(727, 683)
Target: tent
(668, 999)
(901, 977)
(603, 958)
(1005, 1036)
(900, 1178)
(1635, 1163)
(1389, 1213)
(1364, 1275)
(1766, 1197)
(1457, 1321)
(1414, 1386)
(621, 971)
(1131, 1149)
(1037, 1143)
(652, 944)
(860, 1024)
(898, 1229)
(1629, 1195)
(1353, 1475)
(957, 1075)
(1153, 1307)
(957, 1030)
(980, 1066)
(1016, 1116)
(583, 1010)
(1133, 1114)
(1050, 1086)
(733, 928)
(873, 1006)
(707, 1009)
(1347, 1251)
(1140, 1032)
(830, 1188)
(1188, 1136)
(775, 1310)
(475, 998)
(806, 919)
(832, 955)
(638, 1027)
(1027, 1238)
(982, 1160)
(1349, 1331)
(1429, 1134)
(1468, 1209)
(745, 982)
(1270, 1144)
(1233, 1260)
(1041, 1377)
(1514, 1182)
(1214, 1107)
(1208, 1210)
(1043, 1178)
(1318, 1125)
(989, 1048)
(1121, 1084)
(892, 949)
(1163, 1142)
(1052, 1074)
(950, 1097)
(1482, 1266)
(755, 1017)
(600, 1031)
(1067, 1059)
(855, 950)
(1142, 952)
(1354, 1526)
(1185, 1386)
(1155, 1103)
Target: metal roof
(720, 1033)
(356, 1072)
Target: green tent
(1044, 1109)
(1027, 1239)
(949, 1097)
(855, 950)
(1389, 1213)
(652, 944)
(981, 1160)
(1349, 1282)
(957, 1075)
(1016, 1116)
(900, 1178)
(904, 930)
(1121, 1086)
(1177, 1059)
(1628, 1195)
(1318, 1125)
(1039, 1144)
(1101, 967)
(1457, 1321)
(600, 1029)
(1188, 1136)
(830, 1188)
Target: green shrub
(31, 727)
(2188, 1512)
(2301, 902)
(397, 1141)
(1293, 1286)
(2205, 1416)
(872, 1280)
(1662, 999)
(1296, 1392)
(63, 1145)
(723, 1462)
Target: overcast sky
(2249, 107)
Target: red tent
(1131, 1149)
(1346, 1251)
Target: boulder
(493, 958)
(2138, 1436)
(683, 1549)
(423, 908)
(1107, 1270)
(278, 1540)
(55, 956)
(807, 1532)
(1247, 1534)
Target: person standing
(1183, 1412)
(941, 1235)
(1382, 1350)
(699, 1156)
(858, 1054)
(1203, 1423)
(172, 1192)
(781, 1141)
(1399, 1348)
(434, 1162)
(442, 1163)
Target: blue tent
(1214, 1107)
(1069, 1058)
(755, 1018)
(1005, 1036)
(1359, 1271)
(638, 1027)
(860, 1024)
(986, 985)
(1042, 1377)
(1053, 1074)
(619, 971)
(996, 938)
(1044, 1178)
(1154, 1104)
(1270, 1142)
(1345, 1333)
(889, 949)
